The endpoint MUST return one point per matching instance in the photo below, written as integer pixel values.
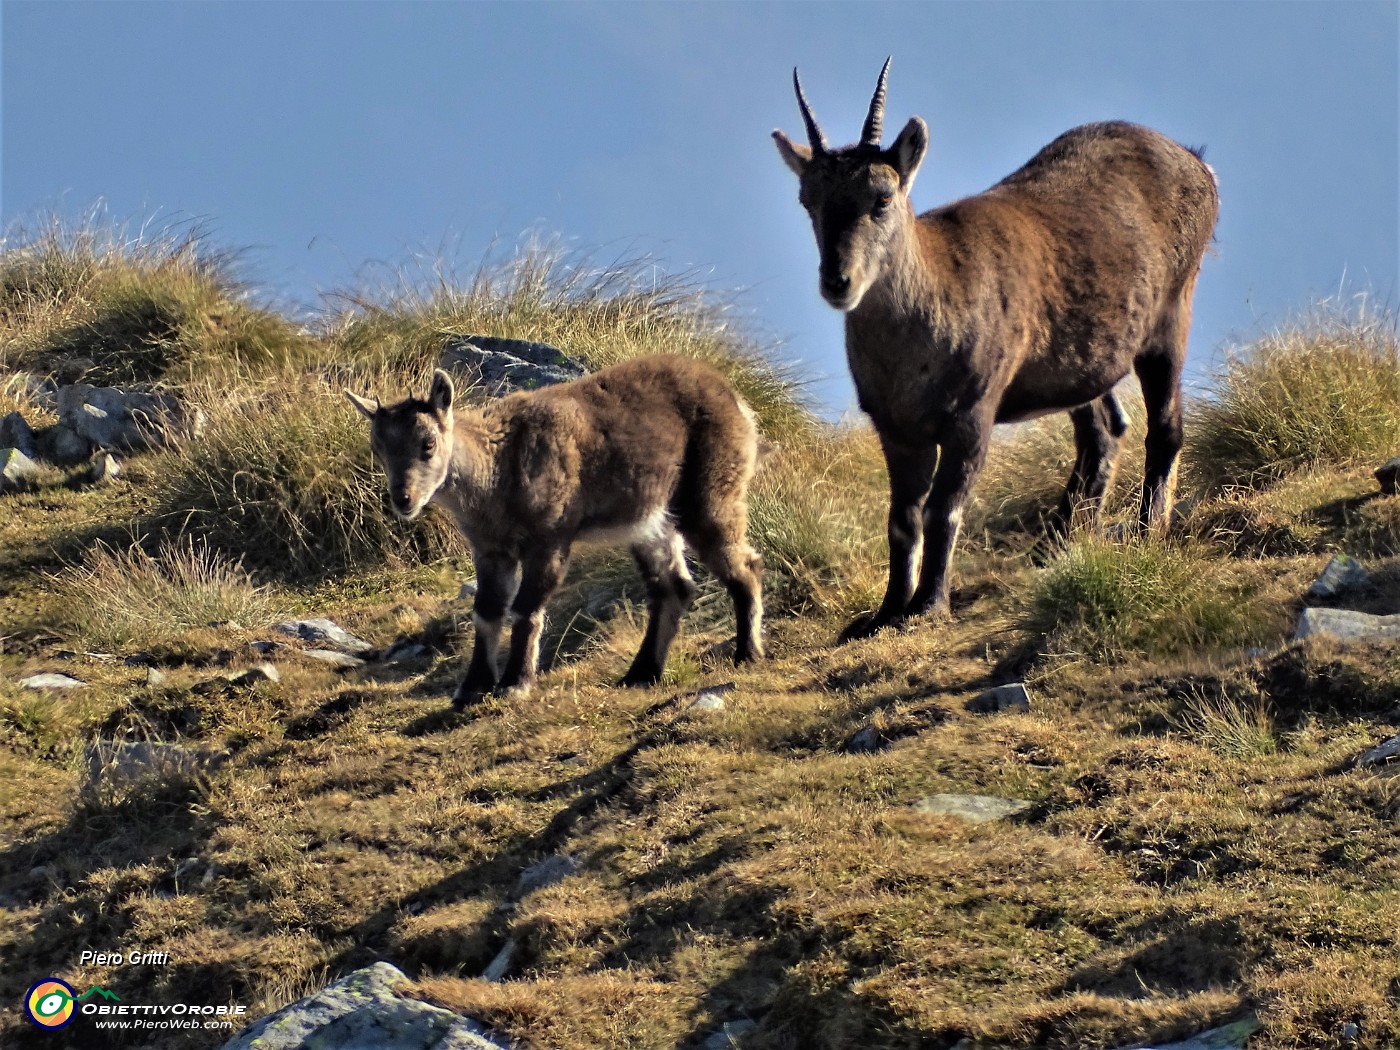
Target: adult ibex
(1036, 296)
(646, 452)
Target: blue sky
(334, 137)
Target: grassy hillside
(1199, 845)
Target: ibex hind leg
(1159, 371)
(670, 590)
(723, 547)
(1098, 429)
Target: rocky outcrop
(1346, 626)
(506, 365)
(364, 1010)
(1342, 574)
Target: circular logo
(49, 1004)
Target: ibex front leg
(964, 450)
(496, 584)
(543, 573)
(911, 474)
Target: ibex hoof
(863, 627)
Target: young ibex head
(858, 196)
(413, 442)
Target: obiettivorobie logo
(50, 1003)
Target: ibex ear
(794, 156)
(907, 152)
(442, 392)
(366, 406)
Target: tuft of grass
(91, 302)
(1147, 597)
(1233, 727)
(601, 313)
(1323, 390)
(119, 597)
(283, 477)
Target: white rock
(51, 681)
(1013, 697)
(16, 469)
(1346, 625)
(729, 1037)
(546, 873)
(500, 965)
(976, 809)
(341, 661)
(263, 672)
(1227, 1037)
(323, 630)
(711, 698)
(1380, 753)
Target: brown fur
(1036, 296)
(649, 452)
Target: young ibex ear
(442, 392)
(907, 152)
(794, 156)
(363, 404)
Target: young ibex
(647, 452)
(1035, 296)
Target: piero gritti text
(131, 958)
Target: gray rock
(1388, 474)
(1013, 697)
(864, 741)
(1232, 1036)
(711, 698)
(546, 873)
(123, 420)
(730, 1035)
(15, 432)
(1342, 573)
(51, 681)
(1380, 753)
(468, 591)
(102, 469)
(263, 672)
(403, 652)
(128, 762)
(976, 809)
(362, 1012)
(340, 661)
(500, 965)
(506, 365)
(323, 630)
(61, 445)
(1346, 625)
(155, 677)
(17, 471)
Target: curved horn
(814, 132)
(875, 120)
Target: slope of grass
(1199, 843)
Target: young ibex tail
(1036, 296)
(648, 452)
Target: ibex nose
(835, 284)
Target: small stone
(102, 469)
(500, 965)
(1013, 697)
(468, 591)
(155, 677)
(341, 661)
(1388, 474)
(266, 647)
(251, 676)
(864, 741)
(403, 652)
(1342, 573)
(546, 873)
(976, 809)
(51, 681)
(1351, 1032)
(1346, 625)
(1380, 753)
(17, 470)
(729, 1035)
(711, 698)
(323, 630)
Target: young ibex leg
(543, 572)
(670, 590)
(1098, 428)
(740, 569)
(911, 476)
(496, 583)
(1160, 375)
(964, 450)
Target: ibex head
(857, 196)
(413, 442)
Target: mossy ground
(1200, 845)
